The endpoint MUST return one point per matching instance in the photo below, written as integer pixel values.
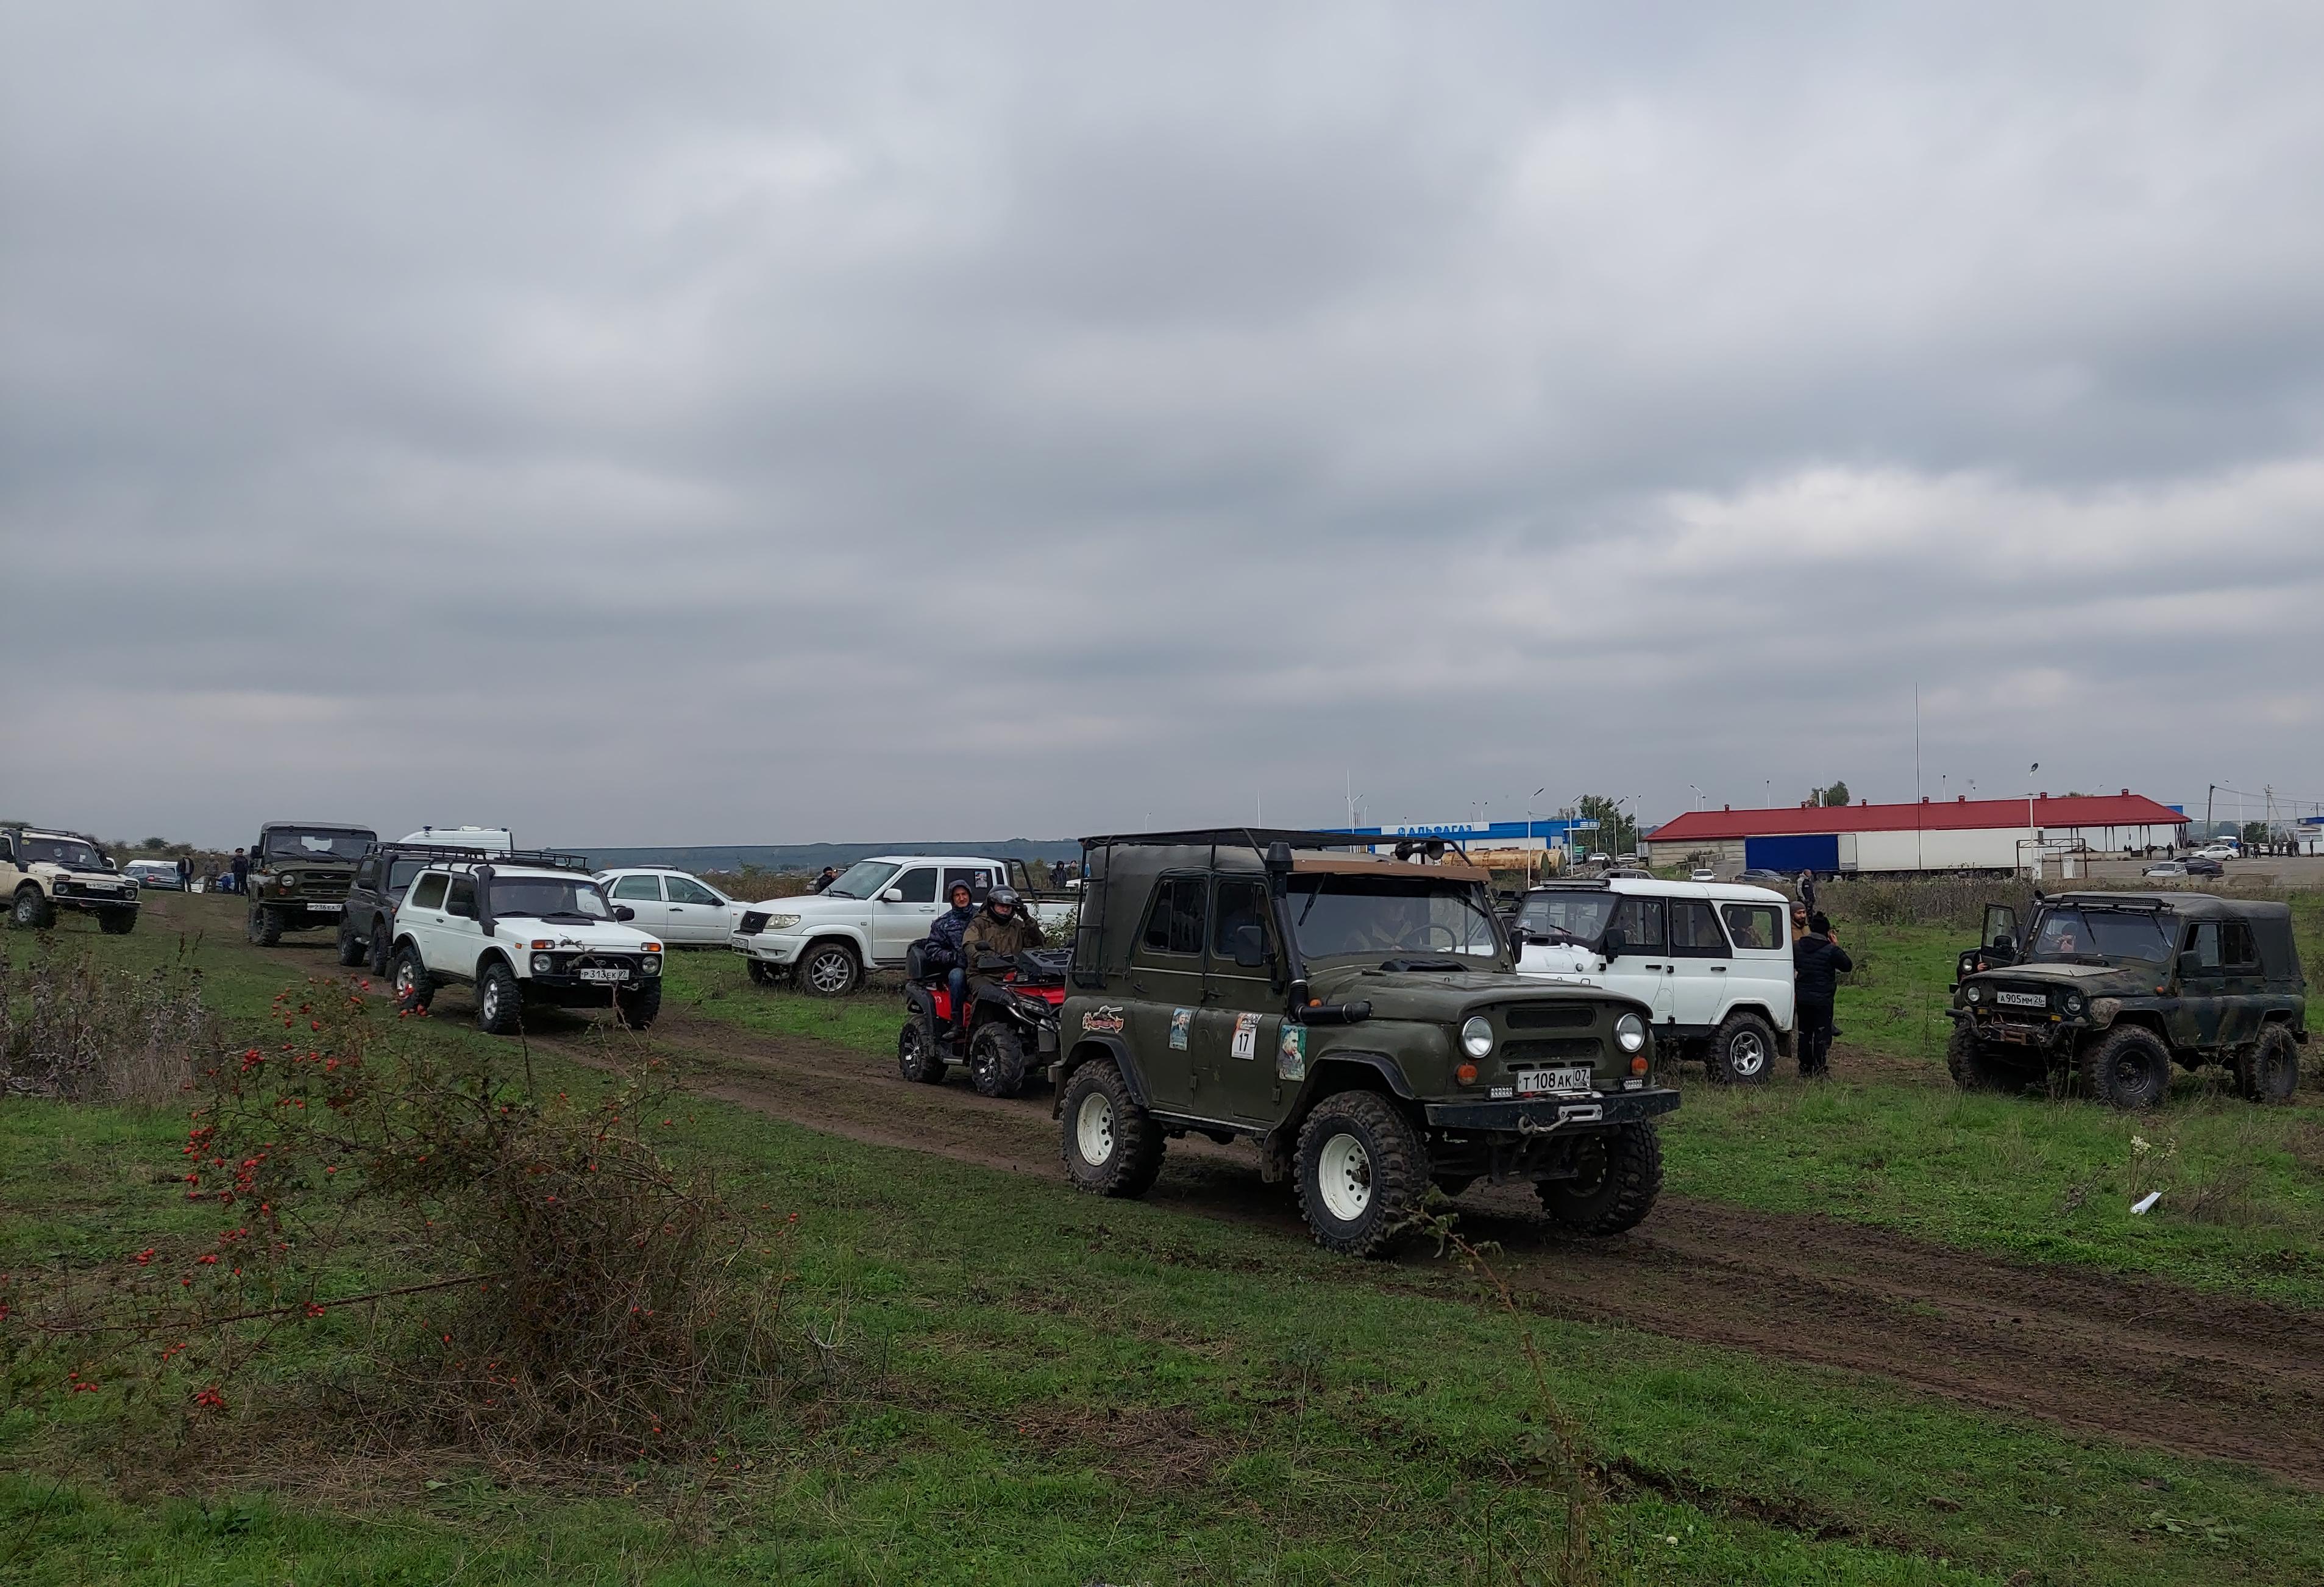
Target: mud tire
(829, 968)
(351, 947)
(996, 1061)
(1110, 1144)
(1362, 1171)
(763, 973)
(2130, 1069)
(500, 1001)
(116, 922)
(264, 927)
(639, 1008)
(1742, 1051)
(1621, 1176)
(415, 989)
(918, 1058)
(382, 947)
(1976, 1066)
(2270, 1071)
(31, 911)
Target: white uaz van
(1712, 960)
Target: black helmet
(999, 896)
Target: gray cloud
(713, 423)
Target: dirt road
(2132, 1359)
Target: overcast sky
(748, 423)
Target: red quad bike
(1010, 1025)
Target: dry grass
(74, 1029)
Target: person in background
(943, 951)
(1799, 921)
(1818, 961)
(1807, 889)
(829, 876)
(185, 873)
(240, 869)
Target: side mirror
(1614, 944)
(894, 895)
(2191, 963)
(1249, 947)
(623, 912)
(462, 908)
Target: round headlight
(2073, 1002)
(1630, 1032)
(653, 964)
(542, 963)
(1477, 1036)
(1973, 994)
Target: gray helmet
(1000, 896)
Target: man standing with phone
(1818, 961)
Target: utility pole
(2209, 798)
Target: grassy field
(1009, 1383)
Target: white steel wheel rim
(403, 976)
(827, 971)
(1343, 1174)
(492, 998)
(1745, 1056)
(1093, 1130)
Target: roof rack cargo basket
(548, 859)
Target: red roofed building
(1959, 834)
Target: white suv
(870, 917)
(524, 936)
(1712, 960)
(43, 871)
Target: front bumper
(767, 946)
(1540, 1114)
(92, 901)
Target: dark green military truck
(1355, 1016)
(2119, 987)
(300, 875)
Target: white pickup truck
(872, 914)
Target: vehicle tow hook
(1571, 1113)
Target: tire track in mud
(2132, 1359)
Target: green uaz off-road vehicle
(299, 873)
(2121, 986)
(1357, 1017)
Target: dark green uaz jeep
(300, 875)
(1357, 1017)
(2120, 986)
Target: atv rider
(1002, 926)
(941, 953)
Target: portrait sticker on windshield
(1291, 1054)
(1246, 1037)
(1103, 1020)
(1181, 1021)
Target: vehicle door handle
(1718, 968)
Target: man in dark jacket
(943, 950)
(241, 872)
(1001, 926)
(1818, 961)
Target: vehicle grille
(1561, 1048)
(754, 921)
(1551, 1016)
(326, 886)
